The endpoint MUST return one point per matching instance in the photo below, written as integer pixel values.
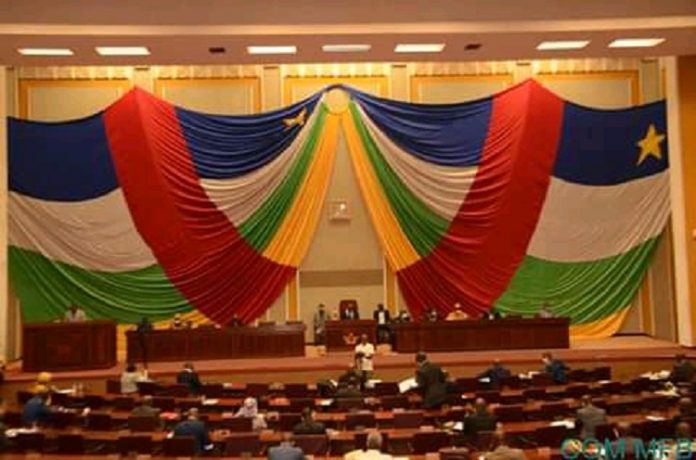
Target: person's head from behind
(308, 414)
(546, 357)
(44, 378)
(72, 308)
(188, 366)
(686, 405)
(363, 339)
(680, 358)
(497, 363)
(623, 430)
(131, 367)
(682, 431)
(380, 307)
(250, 404)
(374, 441)
(146, 401)
(480, 406)
(421, 357)
(322, 307)
(586, 400)
(193, 413)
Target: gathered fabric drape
(512, 202)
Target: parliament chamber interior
(443, 229)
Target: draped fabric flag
(514, 201)
(147, 209)
(508, 202)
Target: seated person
(545, 311)
(195, 428)
(43, 383)
(686, 411)
(250, 409)
(457, 314)
(286, 450)
(432, 315)
(348, 390)
(37, 411)
(177, 322)
(497, 373)
(189, 377)
(479, 418)
(492, 314)
(403, 317)
(144, 325)
(683, 370)
(235, 321)
(145, 408)
(350, 312)
(130, 378)
(74, 314)
(502, 450)
(308, 425)
(556, 368)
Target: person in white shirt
(130, 378)
(364, 351)
(74, 314)
(372, 451)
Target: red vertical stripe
(488, 238)
(199, 249)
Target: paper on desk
(459, 426)
(210, 402)
(485, 380)
(326, 402)
(570, 424)
(372, 382)
(408, 384)
(654, 418)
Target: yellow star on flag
(298, 120)
(650, 145)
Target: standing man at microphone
(364, 351)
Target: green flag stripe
(260, 228)
(47, 288)
(583, 291)
(423, 227)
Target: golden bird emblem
(297, 120)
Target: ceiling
(182, 31)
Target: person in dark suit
(683, 370)
(497, 373)
(192, 426)
(492, 314)
(686, 411)
(556, 368)
(588, 416)
(350, 312)
(36, 410)
(189, 377)
(235, 321)
(381, 316)
(308, 425)
(286, 450)
(145, 408)
(432, 381)
(479, 418)
(432, 315)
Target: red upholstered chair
(295, 390)
(113, 387)
(349, 404)
(99, 421)
(386, 389)
(139, 444)
(180, 446)
(239, 445)
(514, 413)
(429, 441)
(212, 390)
(409, 419)
(30, 442)
(455, 453)
(256, 390)
(288, 420)
(70, 444)
(144, 423)
(123, 403)
(551, 436)
(177, 391)
(346, 304)
(312, 444)
(237, 424)
(360, 420)
(394, 402)
(164, 403)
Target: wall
(344, 260)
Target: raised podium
(68, 346)
(345, 334)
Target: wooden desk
(68, 346)
(499, 334)
(211, 343)
(340, 334)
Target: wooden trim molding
(253, 84)
(26, 85)
(290, 84)
(418, 81)
(633, 76)
(336, 278)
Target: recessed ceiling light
(563, 45)
(45, 51)
(355, 48)
(271, 49)
(122, 51)
(635, 42)
(419, 47)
